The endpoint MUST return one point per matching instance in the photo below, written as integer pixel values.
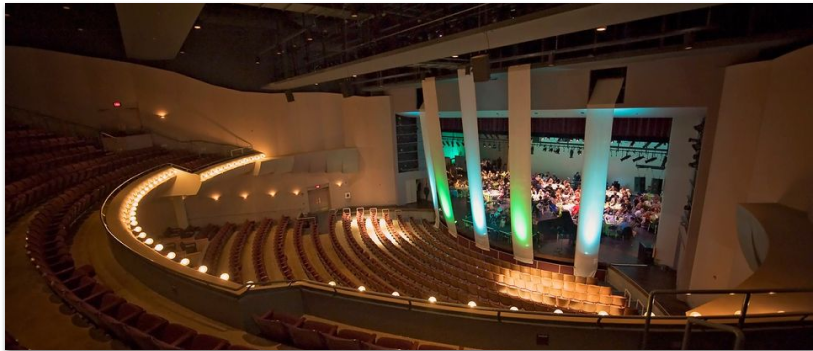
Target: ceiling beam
(315, 10)
(155, 31)
(557, 21)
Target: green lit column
(468, 110)
(430, 174)
(519, 160)
(430, 123)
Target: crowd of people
(551, 196)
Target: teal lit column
(430, 123)
(430, 174)
(471, 138)
(597, 134)
(519, 160)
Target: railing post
(745, 302)
(686, 335)
(648, 318)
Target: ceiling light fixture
(454, 56)
(601, 29)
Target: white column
(430, 122)
(429, 171)
(598, 132)
(519, 161)
(471, 138)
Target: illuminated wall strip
(219, 169)
(519, 160)
(428, 157)
(468, 109)
(597, 135)
(430, 122)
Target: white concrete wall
(761, 154)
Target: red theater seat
(274, 325)
(205, 342)
(308, 336)
(396, 343)
(348, 339)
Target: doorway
(319, 199)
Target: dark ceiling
(247, 46)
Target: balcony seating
(348, 339)
(236, 252)
(396, 343)
(258, 251)
(279, 250)
(215, 247)
(300, 250)
(274, 325)
(326, 261)
(310, 335)
(205, 342)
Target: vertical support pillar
(429, 171)
(430, 123)
(519, 161)
(598, 132)
(471, 138)
(180, 211)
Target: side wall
(83, 89)
(761, 154)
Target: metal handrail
(498, 313)
(743, 310)
(739, 336)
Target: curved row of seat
(502, 295)
(370, 260)
(22, 195)
(315, 335)
(48, 246)
(331, 267)
(20, 167)
(368, 279)
(258, 251)
(216, 245)
(279, 249)
(236, 252)
(300, 250)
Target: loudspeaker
(289, 95)
(481, 68)
(657, 185)
(347, 89)
(640, 184)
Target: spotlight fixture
(637, 159)
(651, 159)
(626, 157)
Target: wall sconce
(296, 192)
(161, 114)
(272, 193)
(216, 197)
(339, 183)
(244, 195)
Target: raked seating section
(258, 252)
(335, 272)
(300, 250)
(48, 246)
(279, 249)
(236, 252)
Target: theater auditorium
(424, 176)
